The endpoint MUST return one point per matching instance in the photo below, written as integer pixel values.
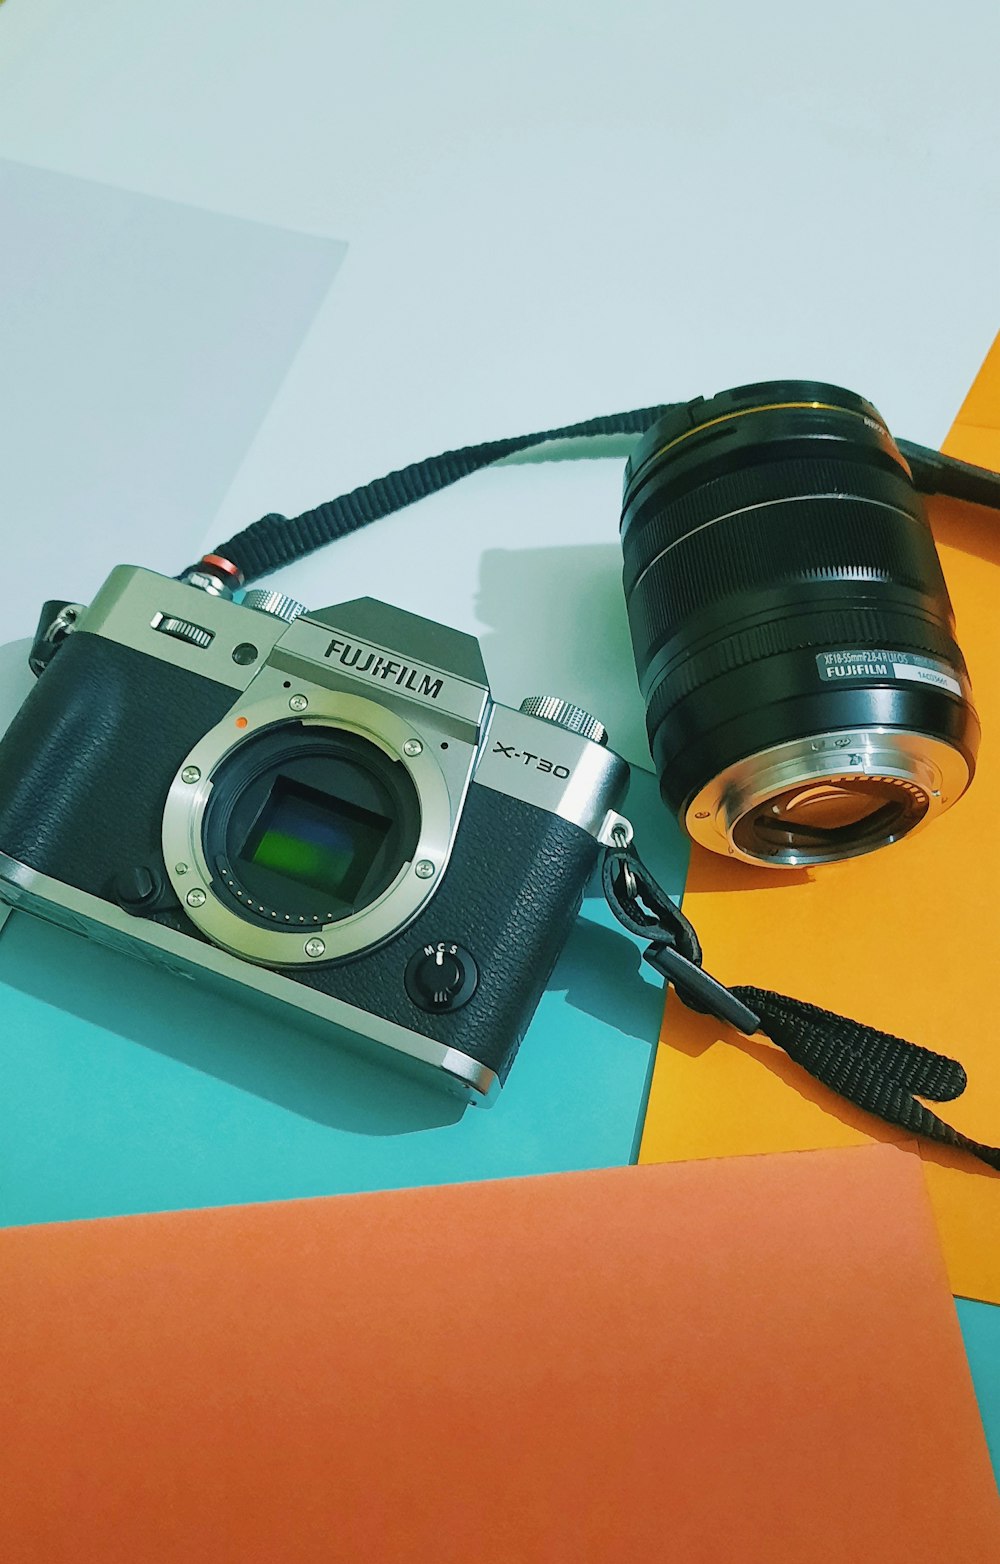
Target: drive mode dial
(563, 714)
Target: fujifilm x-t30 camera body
(323, 811)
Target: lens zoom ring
(796, 544)
(847, 628)
(659, 520)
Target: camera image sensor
(308, 825)
(806, 699)
(307, 836)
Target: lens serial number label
(852, 664)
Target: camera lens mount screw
(190, 774)
(297, 702)
(413, 747)
(314, 947)
(423, 869)
(196, 897)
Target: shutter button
(441, 977)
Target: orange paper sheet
(740, 1360)
(906, 939)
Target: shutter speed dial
(274, 603)
(441, 977)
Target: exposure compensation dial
(563, 714)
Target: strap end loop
(699, 991)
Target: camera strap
(277, 540)
(874, 1070)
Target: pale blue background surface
(127, 1089)
(143, 343)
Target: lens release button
(441, 977)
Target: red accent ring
(223, 567)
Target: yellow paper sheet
(906, 939)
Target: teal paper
(980, 1324)
(126, 1089)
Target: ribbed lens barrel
(806, 699)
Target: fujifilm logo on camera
(363, 659)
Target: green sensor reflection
(316, 840)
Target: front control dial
(441, 977)
(183, 630)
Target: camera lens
(806, 699)
(308, 825)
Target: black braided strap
(277, 540)
(874, 1070)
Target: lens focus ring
(664, 513)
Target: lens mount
(828, 797)
(296, 835)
